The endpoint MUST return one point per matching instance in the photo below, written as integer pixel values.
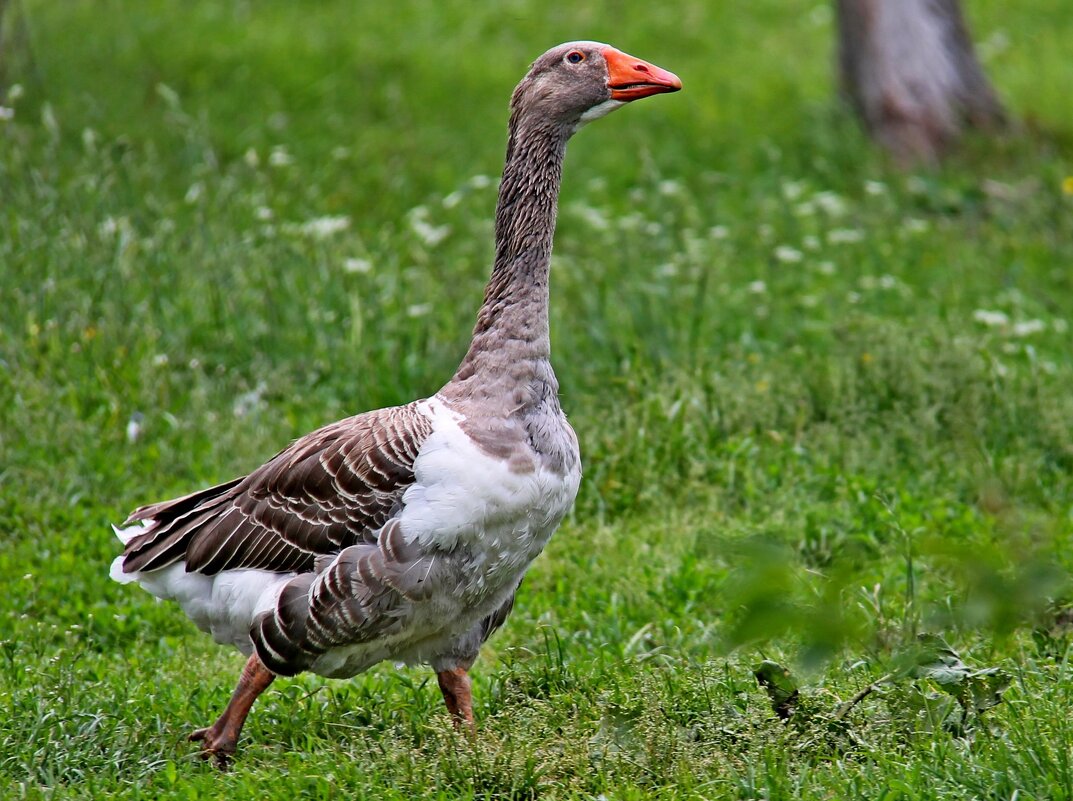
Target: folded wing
(330, 490)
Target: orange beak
(630, 78)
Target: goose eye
(575, 56)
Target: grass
(823, 406)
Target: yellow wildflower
(1067, 185)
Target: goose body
(403, 533)
(468, 525)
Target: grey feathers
(365, 592)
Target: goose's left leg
(457, 695)
(452, 667)
(220, 740)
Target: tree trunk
(910, 72)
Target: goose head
(577, 82)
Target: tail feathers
(127, 533)
(177, 507)
(156, 536)
(116, 573)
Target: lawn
(824, 407)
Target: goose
(403, 533)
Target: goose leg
(457, 695)
(220, 740)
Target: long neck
(511, 344)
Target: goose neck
(511, 343)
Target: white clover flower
(480, 182)
(843, 236)
(669, 187)
(324, 227)
(194, 193)
(990, 318)
(994, 44)
(249, 401)
(875, 187)
(49, 120)
(134, 427)
(811, 242)
(15, 92)
(361, 266)
(830, 202)
(915, 225)
(263, 213)
(758, 287)
(160, 360)
(452, 200)
(792, 190)
(719, 232)
(418, 309)
(430, 234)
(279, 157)
(251, 158)
(594, 217)
(6, 113)
(1028, 327)
(113, 226)
(788, 255)
(820, 15)
(853, 297)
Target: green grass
(802, 440)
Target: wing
(366, 592)
(331, 489)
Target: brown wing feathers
(329, 490)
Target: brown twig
(844, 709)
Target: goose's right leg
(220, 740)
(455, 685)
